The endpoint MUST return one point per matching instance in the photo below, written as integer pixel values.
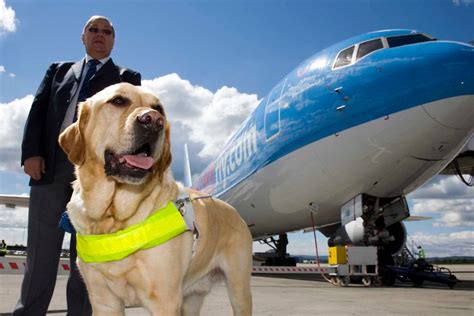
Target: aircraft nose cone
(456, 112)
(453, 72)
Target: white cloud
(12, 120)
(4, 70)
(210, 117)
(444, 187)
(7, 18)
(13, 226)
(13, 223)
(463, 2)
(449, 199)
(448, 244)
(205, 118)
(13, 217)
(197, 115)
(454, 213)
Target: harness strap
(185, 206)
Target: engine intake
(372, 221)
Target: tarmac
(301, 294)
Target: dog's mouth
(139, 159)
(129, 165)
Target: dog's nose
(150, 119)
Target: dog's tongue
(140, 161)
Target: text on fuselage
(241, 151)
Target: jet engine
(372, 221)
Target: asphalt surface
(305, 295)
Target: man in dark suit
(54, 108)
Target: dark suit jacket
(58, 87)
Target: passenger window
(369, 47)
(396, 41)
(344, 58)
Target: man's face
(98, 38)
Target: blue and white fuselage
(379, 114)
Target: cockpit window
(368, 47)
(396, 41)
(344, 58)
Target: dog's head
(123, 131)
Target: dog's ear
(72, 139)
(165, 159)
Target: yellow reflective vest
(163, 225)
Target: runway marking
(16, 265)
(13, 265)
(286, 270)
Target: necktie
(84, 92)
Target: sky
(211, 62)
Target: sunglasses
(96, 30)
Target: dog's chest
(123, 282)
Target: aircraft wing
(414, 218)
(13, 201)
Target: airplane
(343, 138)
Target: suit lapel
(76, 70)
(67, 88)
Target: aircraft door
(272, 112)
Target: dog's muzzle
(137, 161)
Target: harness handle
(180, 202)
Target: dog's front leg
(164, 302)
(103, 300)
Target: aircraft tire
(344, 281)
(366, 281)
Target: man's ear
(72, 138)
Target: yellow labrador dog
(120, 146)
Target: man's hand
(34, 167)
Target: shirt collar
(102, 61)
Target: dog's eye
(119, 101)
(159, 108)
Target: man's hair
(94, 18)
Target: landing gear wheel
(377, 281)
(366, 281)
(344, 281)
(336, 281)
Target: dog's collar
(165, 224)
